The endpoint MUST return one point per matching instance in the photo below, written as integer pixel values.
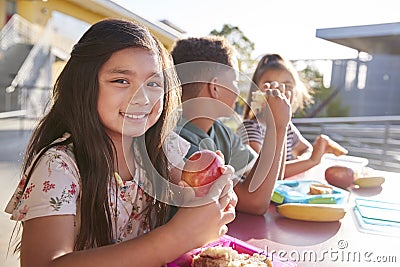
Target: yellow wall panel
(39, 12)
(2, 13)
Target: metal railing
(40, 49)
(18, 30)
(376, 138)
(31, 84)
(35, 102)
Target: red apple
(201, 169)
(339, 176)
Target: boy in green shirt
(208, 70)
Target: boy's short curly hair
(209, 48)
(194, 58)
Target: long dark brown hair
(74, 110)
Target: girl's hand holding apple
(206, 216)
(201, 169)
(207, 177)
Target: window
(351, 69)
(362, 76)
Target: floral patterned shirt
(55, 189)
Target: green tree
(243, 45)
(327, 102)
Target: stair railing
(18, 30)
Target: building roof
(108, 8)
(373, 39)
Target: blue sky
(287, 27)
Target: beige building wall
(2, 13)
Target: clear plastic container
(357, 164)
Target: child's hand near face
(276, 104)
(280, 107)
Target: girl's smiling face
(131, 90)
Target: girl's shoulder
(50, 186)
(251, 124)
(61, 151)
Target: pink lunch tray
(227, 241)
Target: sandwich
(319, 189)
(228, 257)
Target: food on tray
(339, 176)
(228, 257)
(201, 169)
(312, 212)
(258, 98)
(319, 189)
